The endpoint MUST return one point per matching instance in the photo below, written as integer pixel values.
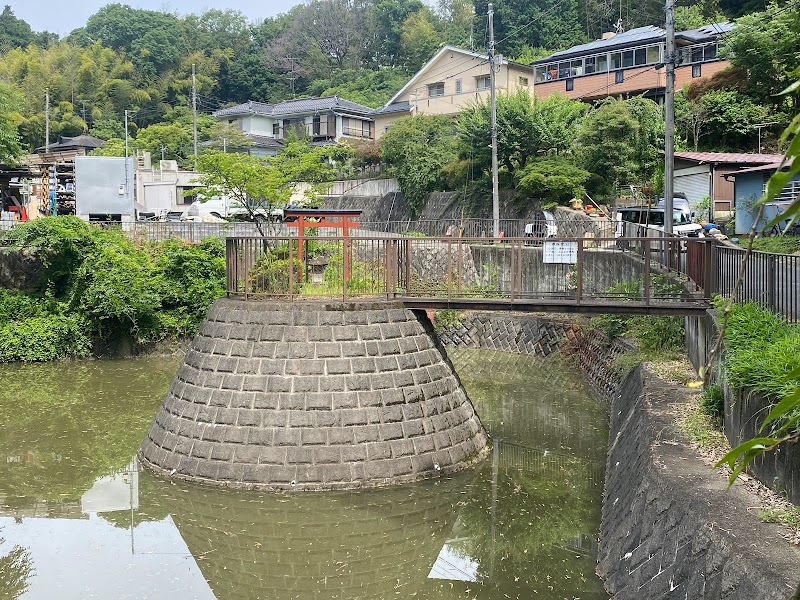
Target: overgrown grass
(702, 429)
(761, 349)
(780, 244)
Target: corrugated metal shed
(729, 157)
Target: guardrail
(603, 271)
(771, 280)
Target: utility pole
(126, 134)
(47, 120)
(669, 113)
(194, 114)
(493, 100)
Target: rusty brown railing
(597, 272)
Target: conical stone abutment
(313, 396)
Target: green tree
(730, 117)
(417, 149)
(10, 103)
(112, 147)
(767, 45)
(525, 127)
(544, 23)
(551, 179)
(154, 40)
(419, 39)
(605, 146)
(262, 184)
(174, 141)
(14, 32)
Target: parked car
(654, 218)
(542, 229)
(225, 208)
(679, 203)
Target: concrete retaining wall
(670, 529)
(744, 411)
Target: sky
(62, 16)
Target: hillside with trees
(140, 61)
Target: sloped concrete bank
(669, 529)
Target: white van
(653, 218)
(225, 208)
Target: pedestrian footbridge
(636, 275)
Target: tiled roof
(767, 168)
(81, 141)
(295, 107)
(265, 141)
(730, 157)
(396, 107)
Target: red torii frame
(312, 218)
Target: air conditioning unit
(169, 165)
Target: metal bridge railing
(572, 271)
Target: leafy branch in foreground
(784, 417)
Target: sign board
(560, 252)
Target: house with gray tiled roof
(323, 120)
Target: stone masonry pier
(278, 395)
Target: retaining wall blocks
(275, 395)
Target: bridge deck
(592, 307)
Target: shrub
(43, 338)
(713, 403)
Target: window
(563, 70)
(590, 64)
(710, 52)
(276, 129)
(570, 84)
(523, 81)
(640, 56)
(653, 54)
(619, 76)
(616, 60)
(627, 58)
(315, 128)
(697, 54)
(602, 63)
(696, 70)
(541, 74)
(458, 86)
(483, 82)
(436, 89)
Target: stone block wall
(670, 529)
(522, 335)
(313, 396)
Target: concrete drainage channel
(669, 527)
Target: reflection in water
(523, 524)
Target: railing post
(449, 268)
(710, 281)
(460, 269)
(646, 281)
(579, 272)
(771, 274)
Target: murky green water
(78, 520)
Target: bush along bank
(100, 291)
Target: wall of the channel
(669, 528)
(744, 411)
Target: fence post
(646, 281)
(579, 272)
(772, 272)
(710, 276)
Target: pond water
(79, 520)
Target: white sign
(560, 252)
